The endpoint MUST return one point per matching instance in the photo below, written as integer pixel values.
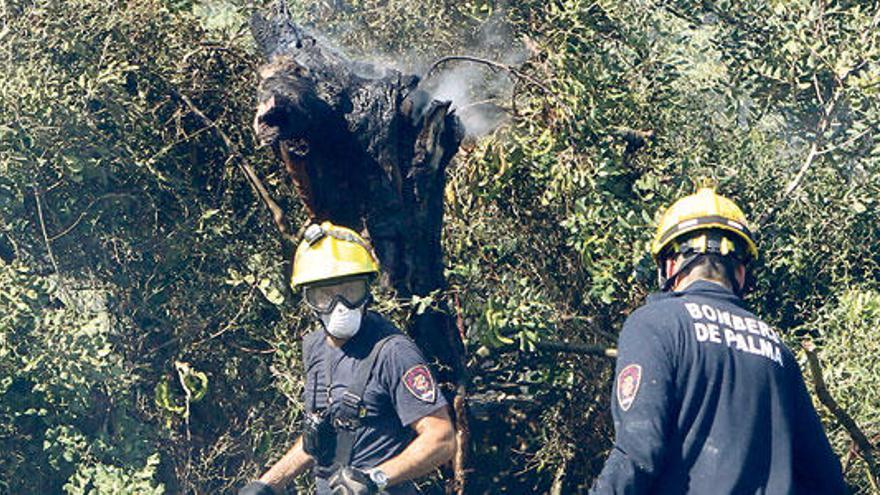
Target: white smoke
(481, 96)
(477, 95)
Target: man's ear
(669, 264)
(740, 274)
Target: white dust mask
(342, 322)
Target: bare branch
(245, 305)
(584, 350)
(462, 440)
(821, 128)
(37, 197)
(818, 91)
(824, 123)
(848, 141)
(85, 211)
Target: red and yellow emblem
(628, 385)
(420, 383)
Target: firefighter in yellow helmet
(707, 398)
(702, 224)
(334, 266)
(375, 418)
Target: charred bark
(367, 149)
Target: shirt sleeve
(309, 394)
(642, 401)
(816, 467)
(410, 383)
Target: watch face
(379, 478)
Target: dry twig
(821, 128)
(824, 124)
(584, 350)
(85, 211)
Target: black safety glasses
(323, 298)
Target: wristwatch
(379, 478)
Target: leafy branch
(823, 125)
(861, 440)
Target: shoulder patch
(628, 385)
(420, 383)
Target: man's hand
(351, 481)
(256, 488)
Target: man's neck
(684, 282)
(336, 342)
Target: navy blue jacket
(401, 391)
(707, 399)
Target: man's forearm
(427, 451)
(294, 462)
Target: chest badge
(420, 383)
(628, 385)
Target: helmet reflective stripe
(702, 223)
(686, 224)
(713, 241)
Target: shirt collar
(705, 288)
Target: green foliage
(100, 479)
(121, 215)
(65, 388)
(848, 331)
(144, 306)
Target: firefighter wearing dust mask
(374, 416)
(707, 399)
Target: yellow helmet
(329, 251)
(701, 211)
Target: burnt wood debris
(368, 149)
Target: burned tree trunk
(366, 149)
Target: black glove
(256, 488)
(351, 481)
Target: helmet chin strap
(730, 268)
(668, 281)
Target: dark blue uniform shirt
(708, 400)
(401, 390)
